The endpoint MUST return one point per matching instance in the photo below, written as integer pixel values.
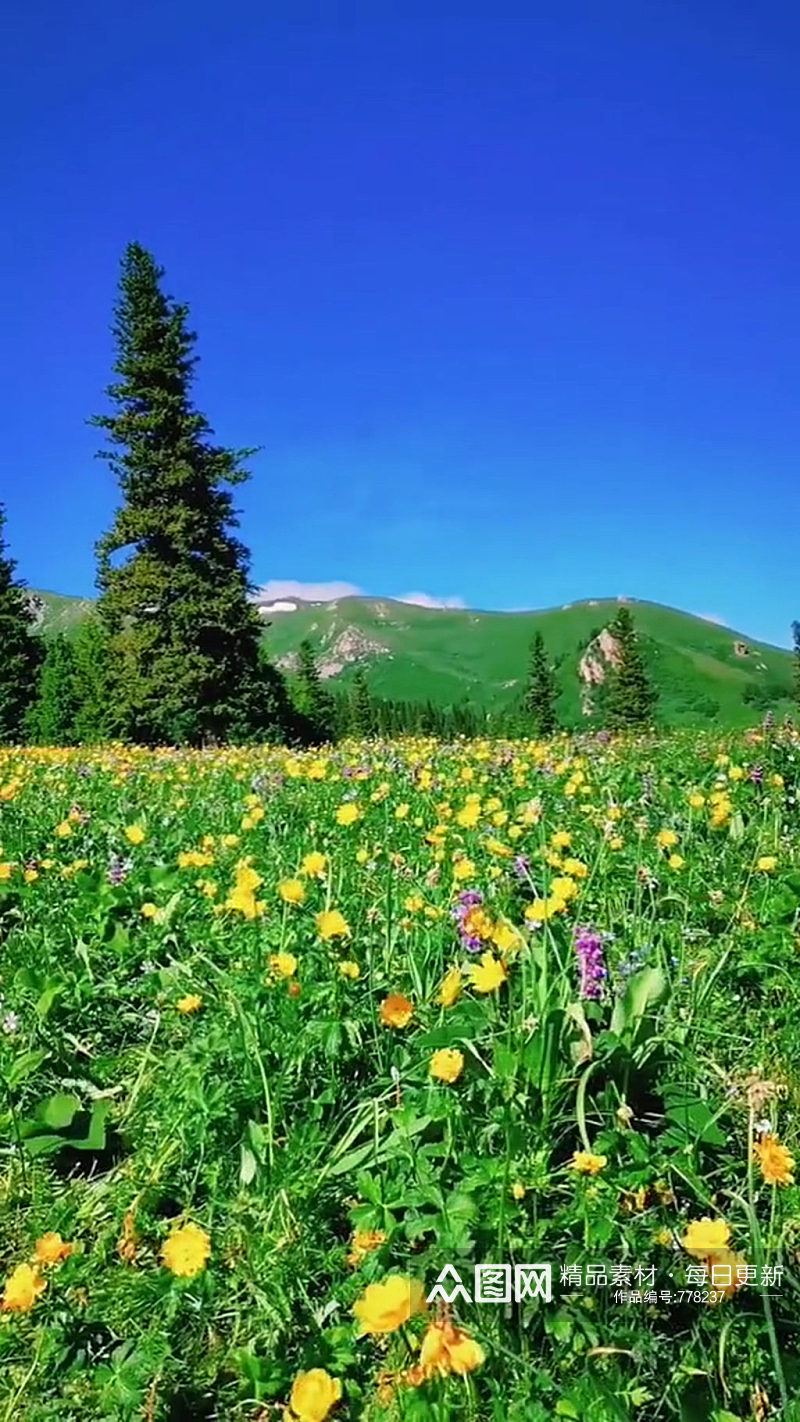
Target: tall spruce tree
(183, 635)
(312, 701)
(362, 716)
(91, 660)
(53, 717)
(542, 693)
(631, 698)
(20, 649)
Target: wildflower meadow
(288, 1036)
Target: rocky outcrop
(601, 656)
(352, 645)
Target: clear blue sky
(512, 304)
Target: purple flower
(591, 962)
(522, 866)
(468, 899)
(756, 774)
(118, 870)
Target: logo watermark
(496, 1283)
(504, 1283)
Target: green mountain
(703, 671)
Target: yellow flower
(777, 1163)
(396, 1010)
(518, 1190)
(291, 891)
(134, 834)
(561, 839)
(22, 1289)
(149, 911)
(505, 938)
(588, 1164)
(347, 814)
(186, 1251)
(401, 811)
(313, 1395)
(447, 1064)
(450, 991)
(705, 1237)
(6, 871)
(243, 901)
(51, 1249)
(447, 1349)
(663, 1237)
(191, 1003)
(564, 889)
(666, 838)
(696, 800)
(463, 869)
(362, 855)
(331, 924)
(468, 817)
(350, 969)
(766, 863)
(489, 974)
(676, 861)
(362, 1243)
(247, 880)
(385, 1307)
(283, 965)
(64, 829)
(576, 868)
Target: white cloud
(423, 599)
(307, 592)
(280, 588)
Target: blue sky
(511, 303)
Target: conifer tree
(632, 698)
(91, 682)
(542, 691)
(53, 717)
(361, 709)
(311, 698)
(20, 649)
(183, 634)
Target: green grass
(449, 656)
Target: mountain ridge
(703, 669)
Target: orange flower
(362, 1243)
(445, 1349)
(396, 1010)
(726, 1274)
(777, 1163)
(51, 1249)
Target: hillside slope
(703, 671)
